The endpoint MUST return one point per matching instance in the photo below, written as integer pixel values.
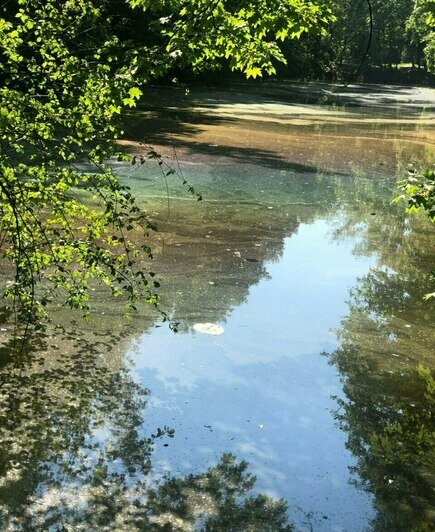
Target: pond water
(320, 378)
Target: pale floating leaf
(208, 328)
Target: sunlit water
(317, 281)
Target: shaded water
(318, 283)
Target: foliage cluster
(418, 190)
(68, 69)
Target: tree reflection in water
(386, 349)
(73, 455)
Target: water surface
(320, 379)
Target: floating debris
(208, 328)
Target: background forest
(375, 40)
(391, 36)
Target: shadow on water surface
(280, 134)
(233, 154)
(161, 130)
(380, 97)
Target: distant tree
(421, 35)
(371, 32)
(389, 36)
(430, 39)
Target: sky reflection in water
(262, 390)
